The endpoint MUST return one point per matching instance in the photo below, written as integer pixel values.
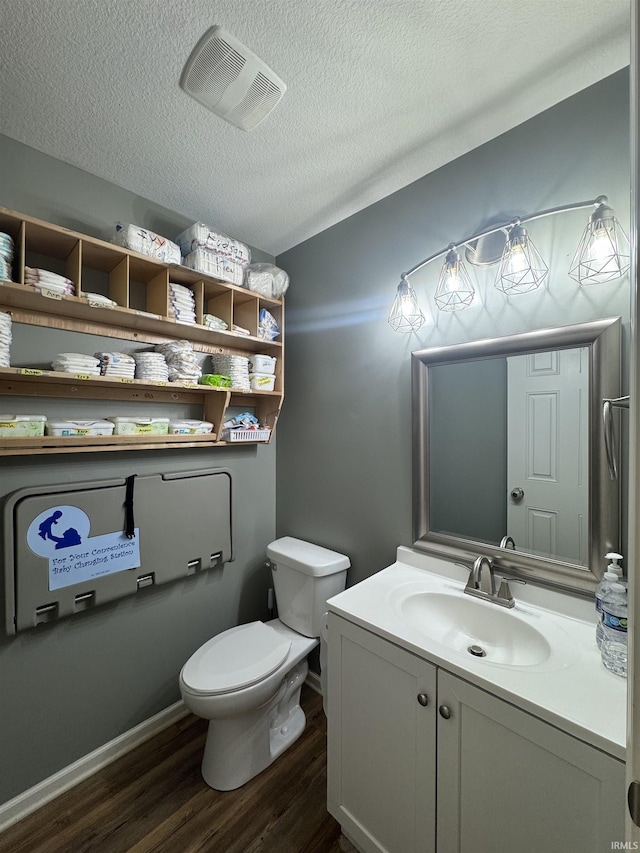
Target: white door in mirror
(548, 453)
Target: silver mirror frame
(602, 337)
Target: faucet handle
(504, 592)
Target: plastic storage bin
(140, 426)
(259, 363)
(22, 426)
(190, 427)
(262, 381)
(246, 434)
(81, 427)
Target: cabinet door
(510, 782)
(381, 742)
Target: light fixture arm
(506, 227)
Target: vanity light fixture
(602, 255)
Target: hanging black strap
(129, 524)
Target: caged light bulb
(405, 315)
(521, 266)
(455, 291)
(603, 252)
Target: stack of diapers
(182, 304)
(214, 323)
(181, 360)
(213, 253)
(151, 366)
(146, 242)
(5, 339)
(100, 301)
(45, 280)
(76, 362)
(6, 256)
(236, 367)
(116, 364)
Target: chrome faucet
(482, 584)
(482, 578)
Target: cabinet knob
(445, 711)
(423, 699)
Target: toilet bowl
(246, 681)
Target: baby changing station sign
(61, 535)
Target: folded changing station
(69, 548)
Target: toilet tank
(304, 577)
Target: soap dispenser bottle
(613, 574)
(614, 565)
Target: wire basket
(246, 434)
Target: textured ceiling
(380, 92)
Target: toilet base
(238, 748)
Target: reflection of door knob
(517, 494)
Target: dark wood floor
(154, 799)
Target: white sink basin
(481, 631)
(467, 624)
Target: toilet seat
(234, 659)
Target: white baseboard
(34, 798)
(313, 681)
(50, 788)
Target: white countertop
(579, 695)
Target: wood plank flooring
(154, 800)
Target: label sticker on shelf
(30, 371)
(190, 385)
(50, 294)
(130, 381)
(161, 383)
(8, 426)
(82, 376)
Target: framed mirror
(509, 452)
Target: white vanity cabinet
(503, 780)
(381, 741)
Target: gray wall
(344, 453)
(468, 449)
(70, 687)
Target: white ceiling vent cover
(230, 80)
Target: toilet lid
(235, 659)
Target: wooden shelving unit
(140, 287)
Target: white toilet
(246, 681)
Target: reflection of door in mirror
(548, 453)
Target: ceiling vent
(230, 80)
